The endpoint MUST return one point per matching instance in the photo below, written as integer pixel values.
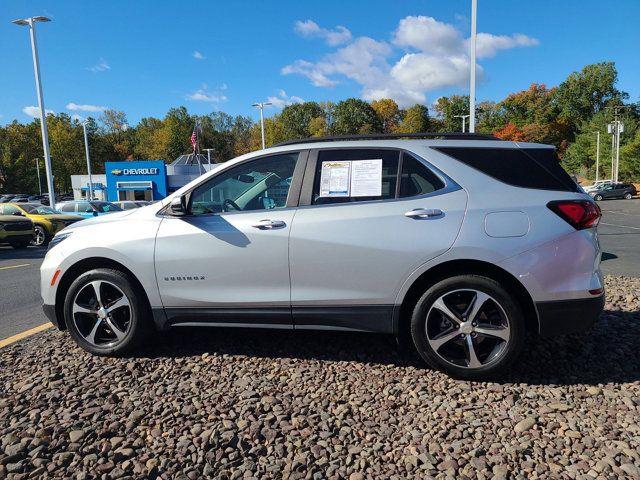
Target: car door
(226, 261)
(349, 255)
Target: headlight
(58, 238)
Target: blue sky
(144, 57)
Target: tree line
(566, 116)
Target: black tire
(20, 245)
(40, 236)
(135, 330)
(501, 301)
(597, 198)
(627, 196)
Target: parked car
(87, 209)
(47, 221)
(614, 190)
(16, 230)
(460, 245)
(131, 204)
(596, 185)
(6, 197)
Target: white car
(461, 244)
(596, 185)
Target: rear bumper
(50, 312)
(560, 317)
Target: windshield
(40, 210)
(105, 207)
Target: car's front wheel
(40, 237)
(105, 312)
(468, 326)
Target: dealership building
(141, 179)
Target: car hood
(106, 218)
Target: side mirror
(178, 206)
(95, 214)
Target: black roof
(393, 136)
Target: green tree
(354, 116)
(415, 120)
(448, 108)
(297, 117)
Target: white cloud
(282, 99)
(487, 45)
(197, 55)
(436, 55)
(74, 107)
(78, 118)
(204, 95)
(310, 29)
(101, 66)
(35, 111)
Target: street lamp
(261, 106)
(472, 79)
(597, 152)
(464, 118)
(31, 22)
(86, 150)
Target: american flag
(194, 138)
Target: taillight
(580, 214)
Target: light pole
(464, 118)
(472, 80)
(261, 106)
(209, 154)
(31, 22)
(38, 173)
(597, 152)
(86, 150)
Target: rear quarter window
(536, 168)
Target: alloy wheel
(39, 236)
(468, 328)
(102, 313)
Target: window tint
(389, 173)
(10, 210)
(261, 184)
(105, 207)
(527, 167)
(84, 207)
(416, 178)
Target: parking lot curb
(27, 333)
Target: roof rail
(392, 136)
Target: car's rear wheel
(106, 313)
(597, 198)
(40, 237)
(468, 326)
(627, 196)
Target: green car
(17, 231)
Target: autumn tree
(415, 120)
(388, 114)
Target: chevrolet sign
(136, 171)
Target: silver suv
(463, 244)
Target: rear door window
(334, 180)
(537, 168)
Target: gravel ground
(239, 404)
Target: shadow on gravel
(608, 353)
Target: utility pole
(86, 150)
(261, 106)
(472, 79)
(597, 152)
(31, 22)
(38, 172)
(464, 118)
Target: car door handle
(269, 224)
(423, 213)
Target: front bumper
(16, 237)
(50, 312)
(560, 317)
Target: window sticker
(366, 178)
(334, 179)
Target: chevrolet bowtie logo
(116, 172)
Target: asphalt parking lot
(20, 304)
